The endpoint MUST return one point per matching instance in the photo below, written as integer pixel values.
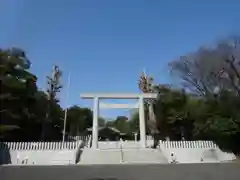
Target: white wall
(41, 153)
(66, 153)
(194, 151)
(43, 157)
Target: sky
(106, 44)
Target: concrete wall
(68, 152)
(194, 151)
(43, 157)
(41, 153)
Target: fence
(44, 145)
(188, 144)
(79, 138)
(30, 146)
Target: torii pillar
(95, 123)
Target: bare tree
(53, 83)
(53, 88)
(145, 84)
(230, 74)
(209, 68)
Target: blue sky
(105, 44)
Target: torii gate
(140, 105)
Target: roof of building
(104, 127)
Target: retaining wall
(68, 152)
(41, 152)
(194, 151)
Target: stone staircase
(100, 156)
(144, 156)
(118, 156)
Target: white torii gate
(140, 104)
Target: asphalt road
(224, 171)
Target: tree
(53, 89)
(110, 123)
(221, 121)
(171, 113)
(213, 73)
(78, 120)
(121, 123)
(18, 88)
(230, 75)
(55, 126)
(23, 106)
(206, 69)
(101, 121)
(53, 82)
(145, 84)
(134, 123)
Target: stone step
(144, 156)
(90, 156)
(117, 156)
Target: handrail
(89, 142)
(121, 152)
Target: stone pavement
(223, 171)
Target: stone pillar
(142, 123)
(95, 123)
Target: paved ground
(224, 171)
